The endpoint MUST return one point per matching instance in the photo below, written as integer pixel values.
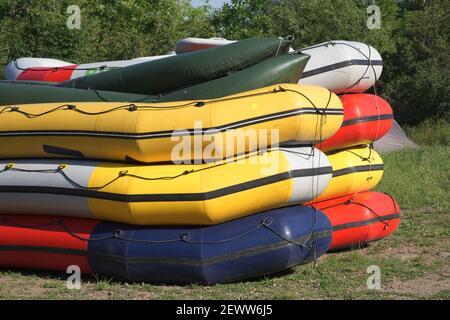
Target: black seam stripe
(350, 170)
(367, 222)
(339, 65)
(170, 133)
(174, 197)
(218, 259)
(42, 249)
(367, 119)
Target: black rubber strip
(42, 249)
(350, 170)
(170, 133)
(171, 197)
(63, 151)
(340, 65)
(367, 222)
(367, 119)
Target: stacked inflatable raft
(357, 214)
(205, 167)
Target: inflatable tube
(366, 119)
(360, 218)
(196, 44)
(17, 66)
(342, 66)
(163, 194)
(355, 170)
(25, 92)
(177, 132)
(248, 247)
(177, 72)
(57, 74)
(280, 69)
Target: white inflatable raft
(342, 66)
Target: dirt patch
(429, 284)
(423, 287)
(24, 288)
(405, 252)
(408, 253)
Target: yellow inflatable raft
(177, 132)
(163, 194)
(356, 169)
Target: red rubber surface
(356, 108)
(29, 247)
(60, 74)
(372, 210)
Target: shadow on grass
(60, 276)
(55, 275)
(355, 247)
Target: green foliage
(35, 28)
(309, 21)
(109, 30)
(419, 83)
(241, 19)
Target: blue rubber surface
(252, 246)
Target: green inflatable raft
(286, 68)
(281, 69)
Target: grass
(414, 261)
(430, 132)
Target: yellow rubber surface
(355, 170)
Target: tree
(309, 21)
(242, 19)
(110, 30)
(419, 86)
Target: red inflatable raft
(366, 118)
(52, 245)
(360, 218)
